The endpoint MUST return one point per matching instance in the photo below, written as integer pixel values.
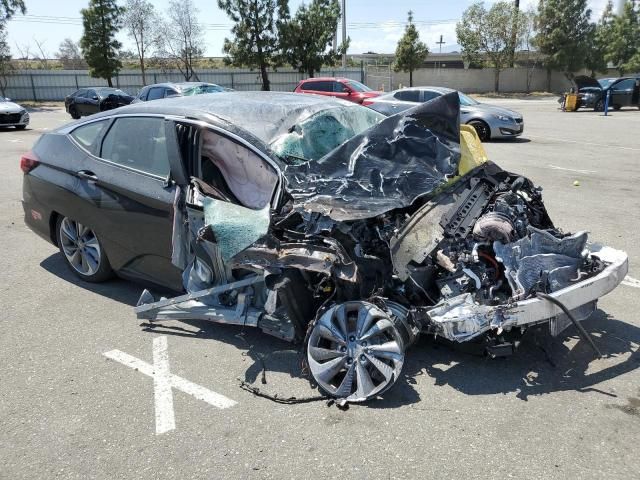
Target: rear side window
(155, 93)
(89, 135)
(408, 95)
(318, 86)
(138, 143)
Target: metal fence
(54, 85)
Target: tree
(181, 41)
(8, 8)
(410, 52)
(255, 42)
(487, 35)
(307, 38)
(598, 41)
(532, 55)
(101, 21)
(5, 59)
(70, 55)
(564, 32)
(624, 40)
(141, 22)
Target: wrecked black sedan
(317, 221)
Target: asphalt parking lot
(67, 410)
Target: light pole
(344, 32)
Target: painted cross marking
(164, 382)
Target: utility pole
(344, 31)
(440, 43)
(514, 31)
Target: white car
(12, 114)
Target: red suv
(344, 88)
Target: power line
(59, 20)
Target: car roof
(333, 79)
(261, 115)
(179, 85)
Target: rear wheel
(82, 251)
(73, 111)
(482, 129)
(617, 107)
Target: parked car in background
(87, 101)
(180, 89)
(343, 88)
(13, 115)
(488, 120)
(592, 93)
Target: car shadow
(510, 140)
(116, 289)
(541, 365)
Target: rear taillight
(28, 162)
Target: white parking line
(604, 145)
(631, 282)
(164, 381)
(586, 172)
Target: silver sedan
(488, 120)
(12, 114)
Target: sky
(372, 25)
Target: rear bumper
(461, 320)
(36, 215)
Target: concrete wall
(54, 85)
(512, 80)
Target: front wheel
(599, 107)
(82, 251)
(355, 351)
(73, 111)
(482, 129)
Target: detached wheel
(74, 112)
(355, 351)
(482, 129)
(83, 251)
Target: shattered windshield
(323, 131)
(200, 89)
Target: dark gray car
(488, 120)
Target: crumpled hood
(483, 107)
(10, 107)
(389, 166)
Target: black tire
(482, 129)
(599, 107)
(100, 269)
(20, 127)
(74, 112)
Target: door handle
(87, 175)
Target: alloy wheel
(81, 247)
(355, 351)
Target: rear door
(128, 183)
